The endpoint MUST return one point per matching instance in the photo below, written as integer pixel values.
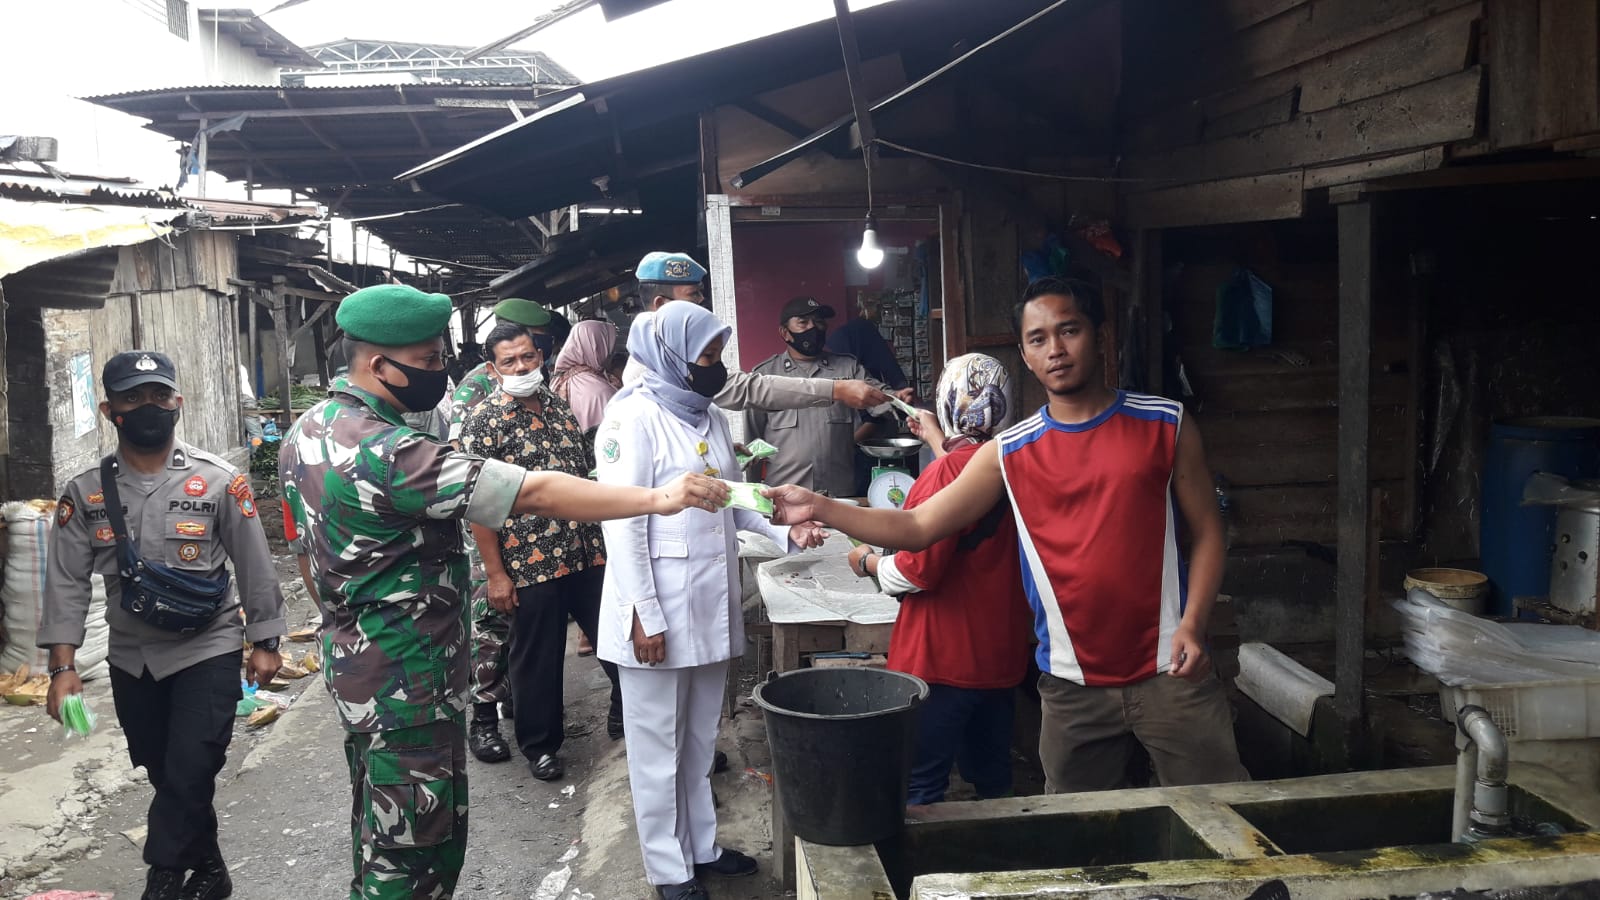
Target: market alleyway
(74, 811)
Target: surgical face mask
(520, 385)
(148, 427)
(707, 381)
(808, 342)
(423, 390)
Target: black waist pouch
(154, 592)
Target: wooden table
(792, 643)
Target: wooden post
(1148, 285)
(1355, 389)
(319, 342)
(281, 329)
(252, 352)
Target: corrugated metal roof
(23, 184)
(562, 155)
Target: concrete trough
(1363, 834)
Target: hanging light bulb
(870, 256)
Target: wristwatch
(864, 557)
(268, 644)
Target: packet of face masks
(77, 719)
(759, 449)
(747, 495)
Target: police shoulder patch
(64, 510)
(248, 507)
(240, 487)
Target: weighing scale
(890, 483)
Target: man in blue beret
(664, 277)
(378, 506)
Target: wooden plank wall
(1269, 416)
(1232, 109)
(167, 298)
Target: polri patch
(192, 529)
(612, 450)
(189, 551)
(64, 511)
(195, 487)
(104, 533)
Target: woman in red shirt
(964, 620)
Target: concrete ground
(74, 810)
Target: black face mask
(808, 342)
(707, 381)
(423, 390)
(148, 427)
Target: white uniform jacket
(679, 572)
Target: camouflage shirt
(474, 388)
(377, 505)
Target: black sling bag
(155, 592)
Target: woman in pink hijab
(580, 373)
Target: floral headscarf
(973, 399)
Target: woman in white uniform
(670, 614)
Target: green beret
(522, 312)
(393, 315)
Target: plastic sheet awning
(34, 233)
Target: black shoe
(163, 884)
(731, 864)
(209, 882)
(719, 762)
(689, 890)
(507, 711)
(547, 767)
(614, 726)
(486, 743)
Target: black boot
(210, 881)
(484, 737)
(614, 729)
(163, 884)
(507, 710)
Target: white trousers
(671, 716)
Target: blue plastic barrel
(1515, 539)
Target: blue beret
(669, 268)
(393, 315)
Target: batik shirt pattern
(535, 549)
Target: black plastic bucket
(842, 742)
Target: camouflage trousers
(491, 632)
(408, 815)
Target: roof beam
(778, 120)
(322, 112)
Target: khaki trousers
(1186, 727)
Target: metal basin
(890, 448)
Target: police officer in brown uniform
(176, 633)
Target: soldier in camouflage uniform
(378, 506)
(491, 630)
